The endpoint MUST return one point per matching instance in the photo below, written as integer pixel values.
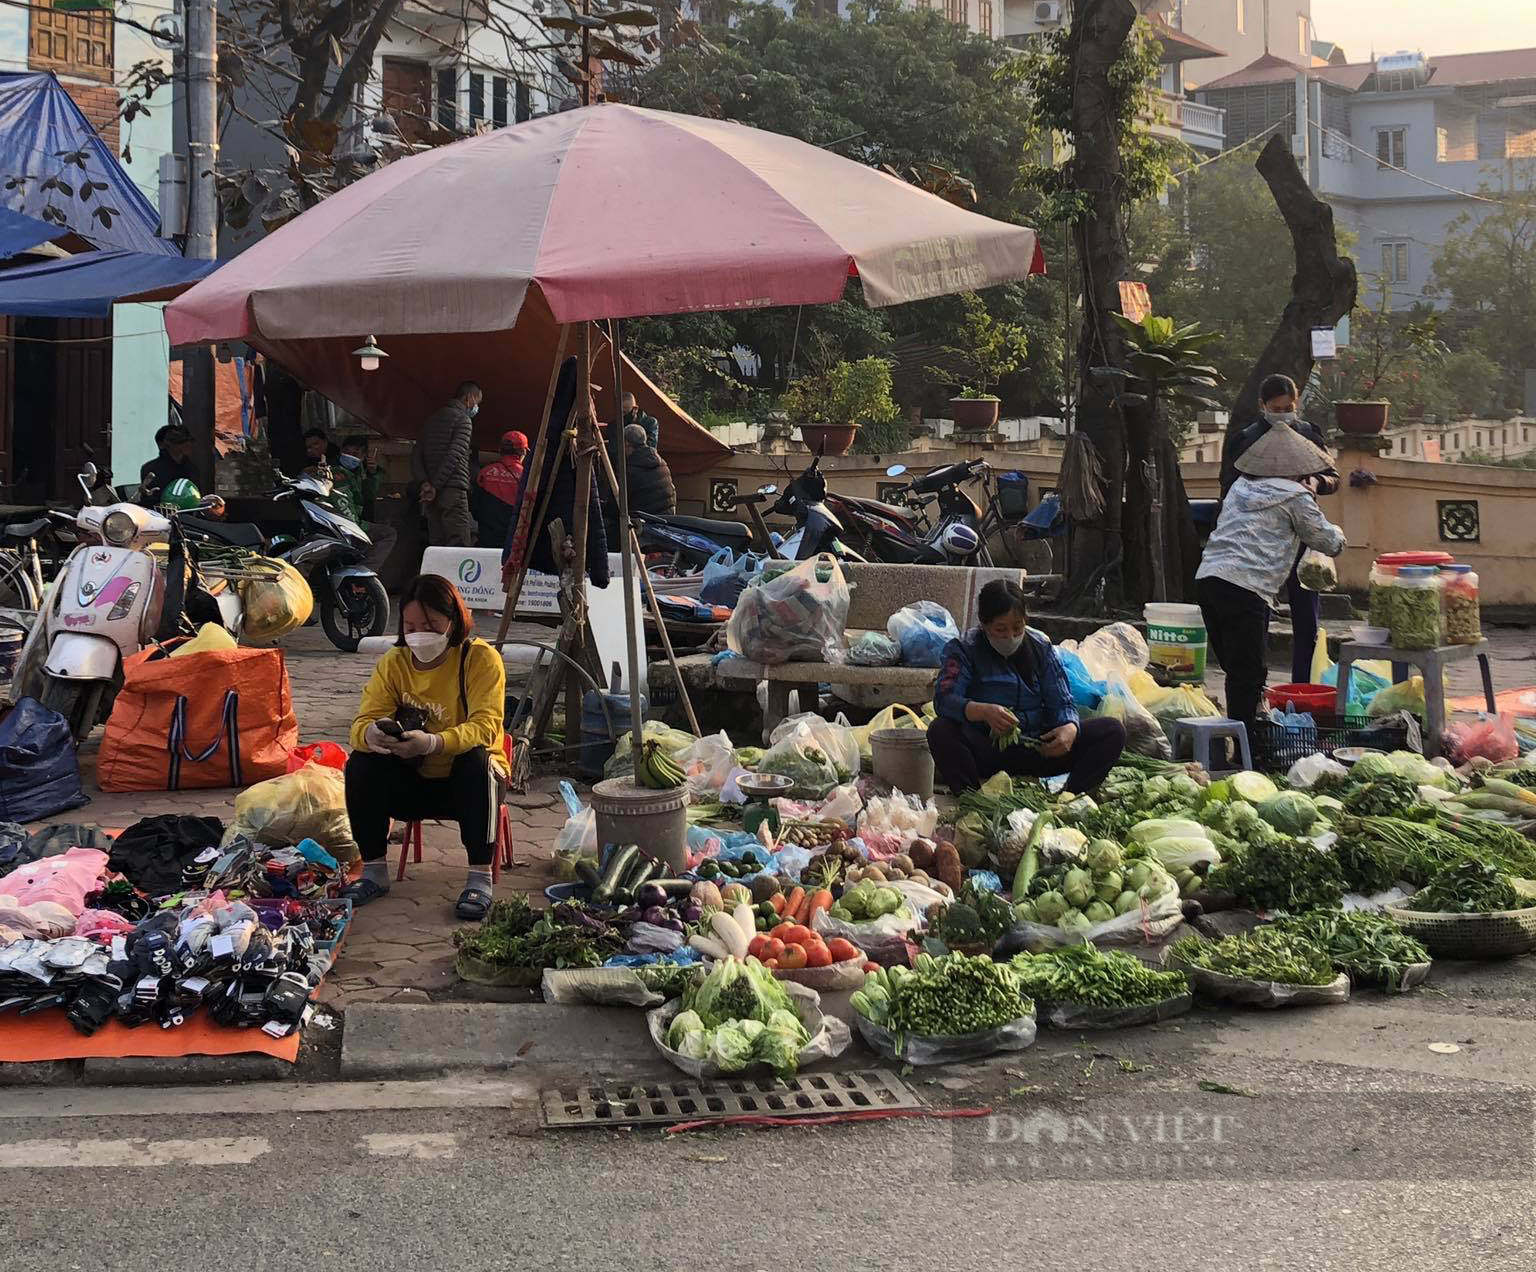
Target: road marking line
(423, 1148)
(97, 1153)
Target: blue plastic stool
(1200, 732)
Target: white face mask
(1007, 646)
(1280, 417)
(427, 646)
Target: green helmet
(181, 494)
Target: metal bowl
(763, 785)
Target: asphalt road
(1322, 1167)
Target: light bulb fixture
(369, 355)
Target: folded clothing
(66, 879)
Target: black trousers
(1306, 612)
(1237, 625)
(964, 757)
(382, 788)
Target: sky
(1433, 26)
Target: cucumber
(638, 873)
(619, 861)
(674, 887)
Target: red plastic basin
(1305, 697)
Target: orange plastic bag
(219, 718)
(329, 754)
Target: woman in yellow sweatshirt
(427, 741)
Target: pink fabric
(66, 879)
(98, 924)
(610, 211)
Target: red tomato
(818, 955)
(843, 950)
(796, 934)
(755, 946)
(771, 963)
(772, 948)
(793, 957)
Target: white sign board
(1325, 343)
(476, 572)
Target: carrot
(820, 900)
(792, 905)
(777, 902)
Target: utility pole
(201, 64)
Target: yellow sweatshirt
(397, 682)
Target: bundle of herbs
(1415, 852)
(1085, 975)
(1392, 796)
(1289, 874)
(1368, 947)
(516, 935)
(1265, 954)
(1470, 887)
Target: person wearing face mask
(1268, 516)
(443, 463)
(1002, 676)
(1278, 402)
(355, 484)
(428, 741)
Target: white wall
(140, 385)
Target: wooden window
(984, 17)
(1391, 147)
(1394, 262)
(447, 98)
(954, 10)
(524, 102)
(476, 98)
(70, 43)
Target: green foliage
(857, 393)
(1165, 364)
(1387, 355)
(987, 351)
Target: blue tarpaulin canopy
(47, 141)
(19, 232)
(85, 286)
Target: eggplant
(674, 925)
(693, 912)
(649, 895)
(655, 915)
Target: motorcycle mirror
(769, 489)
(895, 470)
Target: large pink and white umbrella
(609, 211)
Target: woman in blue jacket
(1000, 676)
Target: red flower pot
(834, 439)
(975, 415)
(1361, 419)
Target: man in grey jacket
(443, 462)
(1268, 516)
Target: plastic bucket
(1307, 698)
(1176, 642)
(655, 820)
(902, 758)
(11, 641)
(596, 741)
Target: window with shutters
(954, 10)
(524, 102)
(1392, 147)
(448, 98)
(1394, 262)
(476, 98)
(984, 18)
(70, 43)
(499, 101)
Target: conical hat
(1282, 452)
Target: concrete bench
(877, 592)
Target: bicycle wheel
(17, 590)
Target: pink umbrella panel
(610, 211)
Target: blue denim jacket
(1032, 684)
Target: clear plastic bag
(309, 803)
(797, 616)
(578, 837)
(922, 1050)
(1255, 993)
(1405, 696)
(603, 986)
(1147, 924)
(829, 1035)
(922, 630)
(1316, 572)
(884, 939)
(815, 753)
(873, 649)
(707, 763)
(274, 607)
(835, 737)
(1310, 769)
(1486, 739)
(1081, 1016)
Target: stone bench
(877, 592)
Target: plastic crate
(1276, 748)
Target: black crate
(1276, 748)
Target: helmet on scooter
(180, 495)
(958, 541)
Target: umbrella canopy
(609, 211)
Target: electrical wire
(1195, 167)
(1381, 163)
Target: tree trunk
(1323, 290)
(1095, 570)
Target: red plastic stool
(502, 856)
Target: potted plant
(1362, 419)
(988, 351)
(833, 403)
(1388, 353)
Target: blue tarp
(19, 232)
(42, 134)
(85, 286)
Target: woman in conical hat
(1268, 516)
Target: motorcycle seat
(21, 531)
(239, 534)
(734, 531)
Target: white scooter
(105, 605)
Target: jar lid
(1415, 558)
(1417, 572)
(1456, 569)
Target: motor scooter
(109, 601)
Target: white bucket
(1176, 641)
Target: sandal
(473, 905)
(363, 891)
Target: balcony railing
(1208, 121)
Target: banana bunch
(656, 769)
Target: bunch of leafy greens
(516, 935)
(1289, 874)
(1470, 887)
(1086, 975)
(1369, 947)
(1265, 954)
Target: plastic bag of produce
(816, 759)
(1256, 993)
(622, 764)
(1147, 923)
(799, 615)
(1487, 739)
(578, 837)
(873, 649)
(309, 803)
(921, 1050)
(1143, 734)
(1087, 690)
(922, 630)
(1311, 769)
(707, 763)
(1080, 1016)
(1406, 696)
(274, 607)
(884, 939)
(604, 986)
(829, 1036)
(1181, 702)
(835, 737)
(1316, 572)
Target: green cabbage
(1253, 787)
(1098, 912)
(730, 1049)
(1149, 832)
(1103, 855)
(1049, 907)
(1077, 887)
(1074, 921)
(685, 1022)
(783, 1021)
(695, 1045)
(1126, 902)
(1290, 812)
(1416, 768)
(1109, 886)
(779, 1050)
(1371, 766)
(1024, 912)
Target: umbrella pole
(514, 585)
(587, 442)
(633, 543)
(627, 546)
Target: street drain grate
(808, 1095)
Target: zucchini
(639, 873)
(674, 887)
(619, 861)
(585, 873)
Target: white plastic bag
(1310, 769)
(578, 837)
(707, 763)
(905, 816)
(842, 805)
(1147, 924)
(835, 737)
(797, 616)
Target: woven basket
(1497, 935)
